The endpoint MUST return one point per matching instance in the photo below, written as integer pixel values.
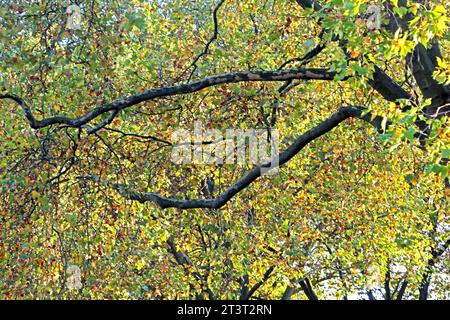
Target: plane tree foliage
(358, 209)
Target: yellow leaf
(441, 63)
(35, 194)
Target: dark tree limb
(402, 290)
(370, 295)
(388, 88)
(256, 286)
(183, 260)
(288, 292)
(180, 257)
(122, 103)
(139, 136)
(422, 62)
(426, 277)
(210, 41)
(307, 288)
(340, 271)
(387, 283)
(283, 157)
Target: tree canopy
(93, 207)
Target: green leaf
(409, 134)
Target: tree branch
(426, 277)
(213, 37)
(307, 288)
(402, 290)
(257, 285)
(283, 157)
(104, 123)
(122, 103)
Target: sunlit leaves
(353, 199)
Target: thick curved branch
(122, 103)
(215, 203)
(387, 87)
